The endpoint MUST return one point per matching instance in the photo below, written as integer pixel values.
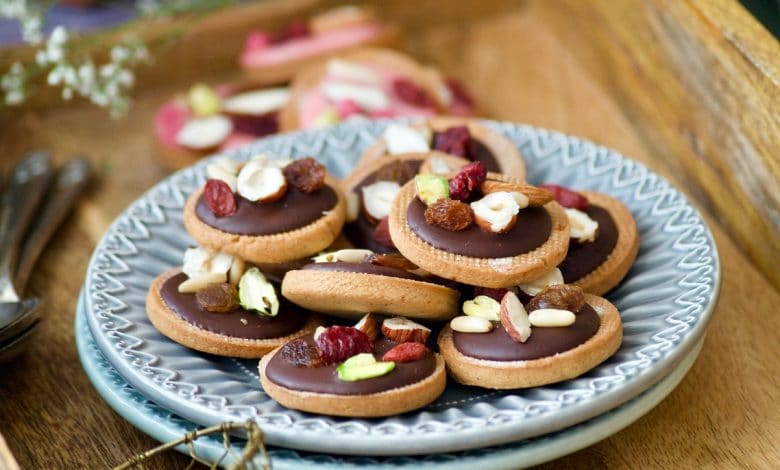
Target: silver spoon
(25, 189)
(70, 181)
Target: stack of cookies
(434, 258)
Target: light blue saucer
(164, 426)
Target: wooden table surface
(724, 413)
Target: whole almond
(368, 325)
(402, 330)
(536, 196)
(467, 324)
(514, 318)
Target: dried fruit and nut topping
(411, 93)
(536, 285)
(353, 206)
(256, 293)
(300, 353)
(566, 197)
(337, 343)
(581, 226)
(496, 212)
(552, 317)
(467, 181)
(347, 255)
(219, 198)
(378, 199)
(431, 188)
(482, 306)
(390, 260)
(449, 214)
(454, 141)
(514, 318)
(467, 324)
(403, 330)
(262, 181)
(306, 175)
(218, 297)
(363, 366)
(369, 325)
(382, 234)
(532, 195)
(404, 139)
(563, 296)
(406, 352)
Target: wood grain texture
(700, 82)
(723, 415)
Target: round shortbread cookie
(485, 272)
(170, 324)
(276, 248)
(523, 374)
(387, 403)
(372, 166)
(308, 78)
(351, 295)
(616, 266)
(504, 151)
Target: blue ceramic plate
(165, 426)
(666, 302)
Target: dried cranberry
(300, 353)
(454, 141)
(566, 197)
(468, 179)
(297, 28)
(258, 126)
(496, 294)
(406, 352)
(411, 93)
(462, 102)
(338, 343)
(306, 175)
(219, 197)
(382, 234)
(449, 214)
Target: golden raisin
(306, 175)
(560, 296)
(449, 214)
(218, 297)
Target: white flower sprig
(30, 18)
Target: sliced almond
(353, 206)
(368, 325)
(552, 317)
(192, 285)
(514, 318)
(403, 330)
(536, 285)
(378, 198)
(260, 181)
(257, 102)
(482, 306)
(496, 212)
(467, 324)
(536, 196)
(581, 226)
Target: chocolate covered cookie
(213, 304)
(266, 211)
(351, 282)
(559, 334)
(356, 371)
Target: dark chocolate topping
(532, 229)
(583, 258)
(294, 210)
(325, 379)
(366, 268)
(361, 232)
(289, 320)
(544, 341)
(478, 151)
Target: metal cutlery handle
(25, 188)
(69, 182)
